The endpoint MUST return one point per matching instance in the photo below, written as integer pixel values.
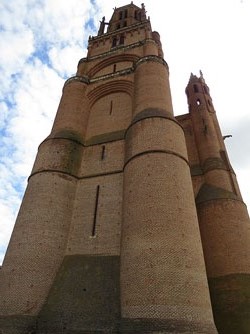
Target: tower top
(123, 17)
(194, 78)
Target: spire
(102, 26)
(201, 77)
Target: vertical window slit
(111, 107)
(114, 41)
(103, 152)
(95, 212)
(114, 68)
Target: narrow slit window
(120, 15)
(111, 107)
(103, 153)
(114, 68)
(114, 41)
(126, 13)
(95, 212)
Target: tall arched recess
(110, 111)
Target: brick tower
(113, 229)
(223, 217)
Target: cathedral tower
(108, 239)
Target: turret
(223, 217)
(161, 253)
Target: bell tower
(107, 239)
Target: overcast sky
(41, 42)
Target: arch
(110, 115)
(110, 87)
(111, 60)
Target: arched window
(198, 102)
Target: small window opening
(198, 102)
(114, 41)
(103, 153)
(196, 89)
(136, 14)
(118, 26)
(120, 15)
(121, 39)
(111, 107)
(125, 24)
(95, 212)
(114, 68)
(126, 13)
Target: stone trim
(114, 50)
(155, 59)
(152, 113)
(129, 28)
(127, 71)
(114, 136)
(101, 174)
(74, 176)
(208, 193)
(61, 138)
(52, 171)
(153, 152)
(76, 78)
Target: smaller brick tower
(223, 217)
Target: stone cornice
(115, 32)
(82, 79)
(114, 50)
(152, 58)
